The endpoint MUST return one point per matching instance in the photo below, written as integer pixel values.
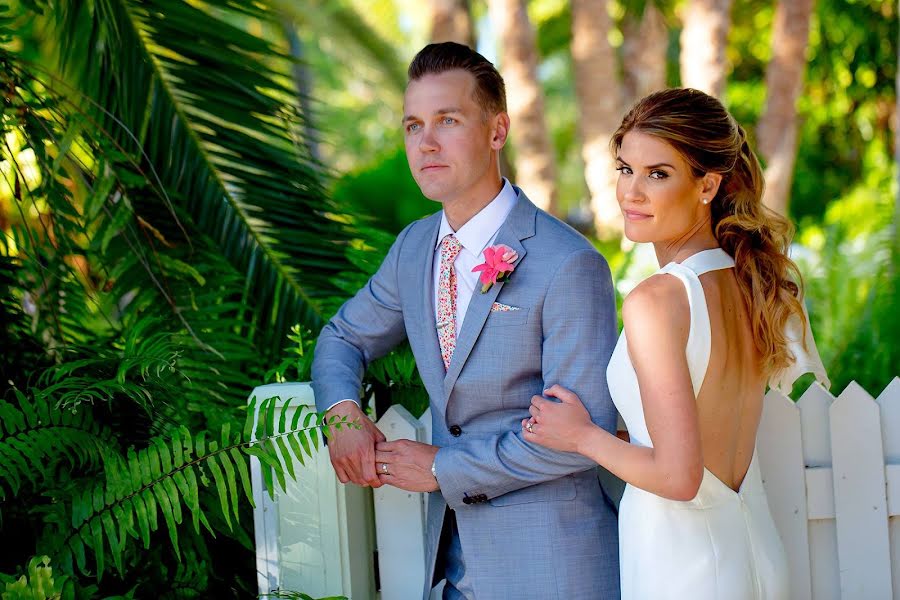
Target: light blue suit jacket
(533, 523)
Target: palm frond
(212, 112)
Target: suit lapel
(432, 369)
(518, 226)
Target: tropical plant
(164, 225)
(105, 519)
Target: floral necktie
(446, 309)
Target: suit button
(455, 430)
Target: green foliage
(160, 483)
(163, 225)
(384, 192)
(38, 583)
(850, 266)
(36, 439)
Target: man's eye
(412, 127)
(449, 120)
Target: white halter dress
(722, 544)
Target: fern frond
(35, 437)
(168, 475)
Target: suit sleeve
(579, 329)
(366, 327)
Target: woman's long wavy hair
(711, 141)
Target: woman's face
(660, 198)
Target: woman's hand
(559, 425)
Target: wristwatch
(433, 470)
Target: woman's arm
(657, 322)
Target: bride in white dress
(702, 339)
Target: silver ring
(529, 426)
(384, 468)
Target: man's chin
(433, 192)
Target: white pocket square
(500, 307)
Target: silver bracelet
(433, 470)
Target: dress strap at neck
(708, 260)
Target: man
(523, 521)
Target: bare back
(729, 405)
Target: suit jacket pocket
(549, 491)
(500, 318)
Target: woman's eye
(658, 174)
(624, 170)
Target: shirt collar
(478, 231)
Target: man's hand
(353, 450)
(407, 465)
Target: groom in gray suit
(506, 519)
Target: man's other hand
(352, 449)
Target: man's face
(449, 140)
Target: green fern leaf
(142, 518)
(96, 532)
(228, 468)
(241, 462)
(150, 503)
(221, 485)
(165, 506)
(295, 446)
(112, 536)
(248, 419)
(282, 421)
(286, 458)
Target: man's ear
(500, 130)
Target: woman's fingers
(559, 392)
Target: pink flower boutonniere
(497, 265)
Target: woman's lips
(633, 215)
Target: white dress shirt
(477, 234)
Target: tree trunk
(597, 90)
(644, 51)
(777, 131)
(451, 21)
(303, 85)
(703, 42)
(534, 157)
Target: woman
(702, 338)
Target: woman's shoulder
(658, 305)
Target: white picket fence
(831, 468)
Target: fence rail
(830, 466)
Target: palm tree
(703, 42)
(597, 91)
(534, 159)
(777, 129)
(644, 52)
(451, 21)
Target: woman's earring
(705, 201)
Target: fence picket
(860, 499)
(889, 402)
(781, 461)
(816, 435)
(400, 519)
